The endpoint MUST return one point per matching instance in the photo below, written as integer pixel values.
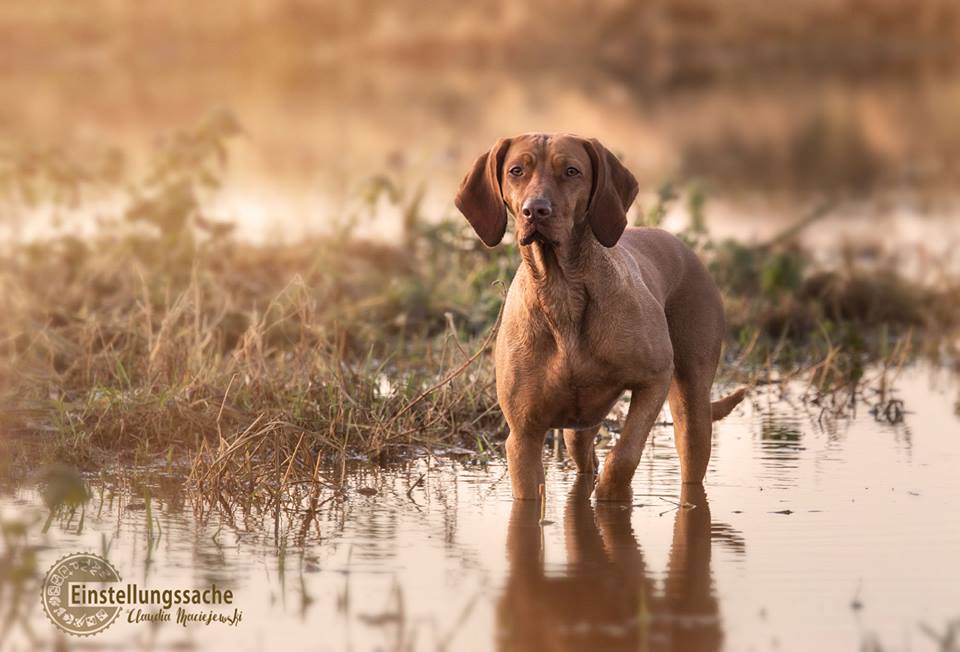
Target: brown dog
(595, 309)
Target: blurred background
(233, 221)
(767, 108)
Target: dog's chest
(566, 386)
(580, 389)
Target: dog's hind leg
(692, 424)
(580, 445)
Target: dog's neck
(557, 280)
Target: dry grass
(127, 349)
(163, 337)
(110, 351)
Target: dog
(595, 309)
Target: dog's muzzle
(531, 234)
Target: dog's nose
(536, 208)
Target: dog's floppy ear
(614, 189)
(480, 198)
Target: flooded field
(235, 290)
(815, 531)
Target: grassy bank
(163, 337)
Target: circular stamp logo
(72, 595)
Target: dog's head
(553, 184)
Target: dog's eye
(516, 171)
(572, 171)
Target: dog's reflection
(606, 598)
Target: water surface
(813, 532)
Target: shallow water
(812, 533)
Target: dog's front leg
(621, 462)
(525, 462)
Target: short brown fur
(594, 309)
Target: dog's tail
(724, 406)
